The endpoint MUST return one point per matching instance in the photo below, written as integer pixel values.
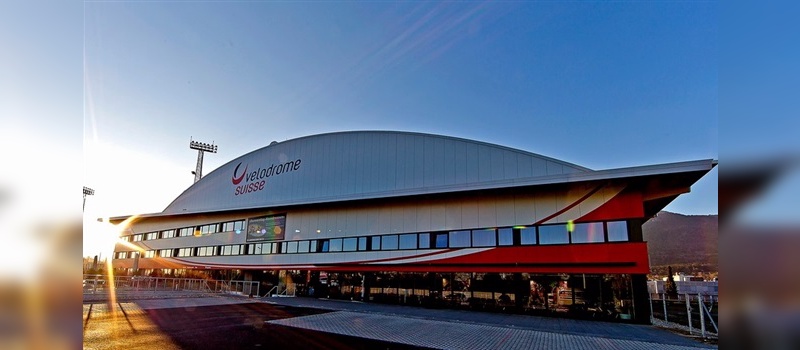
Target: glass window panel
(389, 242)
(336, 245)
(326, 244)
(617, 231)
(236, 250)
(349, 244)
(459, 239)
(441, 240)
(424, 240)
(362, 243)
(292, 247)
(408, 241)
(588, 232)
(553, 234)
(302, 247)
(226, 250)
(376, 242)
(505, 236)
(527, 235)
(484, 238)
(314, 246)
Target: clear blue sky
(602, 85)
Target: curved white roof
(362, 165)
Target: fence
(698, 313)
(94, 284)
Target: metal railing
(696, 313)
(98, 284)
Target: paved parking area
(224, 321)
(455, 329)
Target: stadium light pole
(86, 192)
(201, 147)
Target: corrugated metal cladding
(359, 165)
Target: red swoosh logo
(236, 180)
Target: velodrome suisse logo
(255, 180)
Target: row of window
(593, 232)
(230, 226)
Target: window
(389, 242)
(165, 253)
(150, 254)
(324, 245)
(127, 238)
(376, 243)
(137, 238)
(505, 236)
(291, 247)
(349, 244)
(208, 229)
(617, 231)
(150, 236)
(186, 232)
(424, 240)
(484, 238)
(206, 251)
(302, 247)
(121, 255)
(184, 252)
(459, 239)
(527, 235)
(362, 243)
(314, 247)
(283, 247)
(167, 234)
(336, 245)
(233, 226)
(226, 250)
(408, 241)
(441, 240)
(591, 232)
(553, 234)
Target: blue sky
(602, 85)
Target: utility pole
(86, 192)
(201, 147)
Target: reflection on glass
(336, 245)
(424, 240)
(617, 231)
(349, 244)
(553, 234)
(459, 239)
(389, 242)
(362, 243)
(483, 238)
(376, 243)
(591, 232)
(441, 240)
(408, 241)
(505, 236)
(527, 235)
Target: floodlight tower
(86, 192)
(201, 147)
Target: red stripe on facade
(562, 211)
(625, 205)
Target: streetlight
(86, 192)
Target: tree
(670, 288)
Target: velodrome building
(418, 219)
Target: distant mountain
(686, 242)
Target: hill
(688, 243)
